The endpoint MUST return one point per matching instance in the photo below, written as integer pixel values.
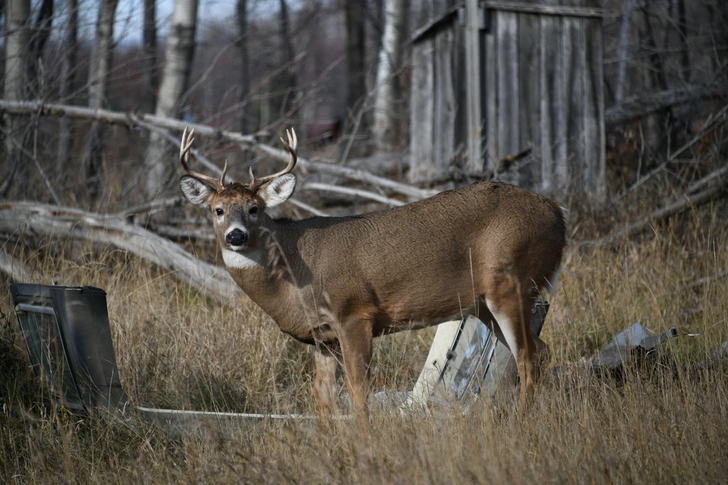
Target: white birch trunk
(386, 114)
(180, 49)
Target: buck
(337, 282)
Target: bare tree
(355, 54)
(149, 57)
(68, 73)
(175, 78)
(624, 37)
(388, 93)
(39, 37)
(16, 50)
(309, 68)
(682, 27)
(244, 76)
(718, 17)
(99, 69)
(289, 73)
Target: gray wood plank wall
(542, 86)
(438, 104)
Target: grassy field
(663, 423)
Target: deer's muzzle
(236, 237)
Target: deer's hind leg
(510, 304)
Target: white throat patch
(239, 260)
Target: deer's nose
(236, 237)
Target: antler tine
(222, 176)
(185, 146)
(291, 146)
(292, 139)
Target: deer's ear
(195, 191)
(278, 190)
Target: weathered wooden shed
(491, 79)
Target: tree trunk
(682, 27)
(149, 58)
(386, 112)
(175, 77)
(355, 56)
(246, 124)
(99, 69)
(39, 38)
(289, 73)
(718, 15)
(66, 88)
(658, 64)
(16, 52)
(624, 36)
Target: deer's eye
(219, 212)
(253, 210)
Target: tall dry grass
(666, 422)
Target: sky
(129, 17)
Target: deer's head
(237, 209)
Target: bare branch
(25, 152)
(710, 125)
(131, 119)
(307, 208)
(172, 140)
(355, 192)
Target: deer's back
(403, 262)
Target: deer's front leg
(324, 389)
(356, 347)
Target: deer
(336, 283)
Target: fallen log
(646, 104)
(677, 206)
(711, 124)
(34, 219)
(131, 119)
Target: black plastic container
(66, 331)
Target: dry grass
(666, 423)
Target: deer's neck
(270, 277)
(240, 261)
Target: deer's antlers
(291, 146)
(185, 146)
